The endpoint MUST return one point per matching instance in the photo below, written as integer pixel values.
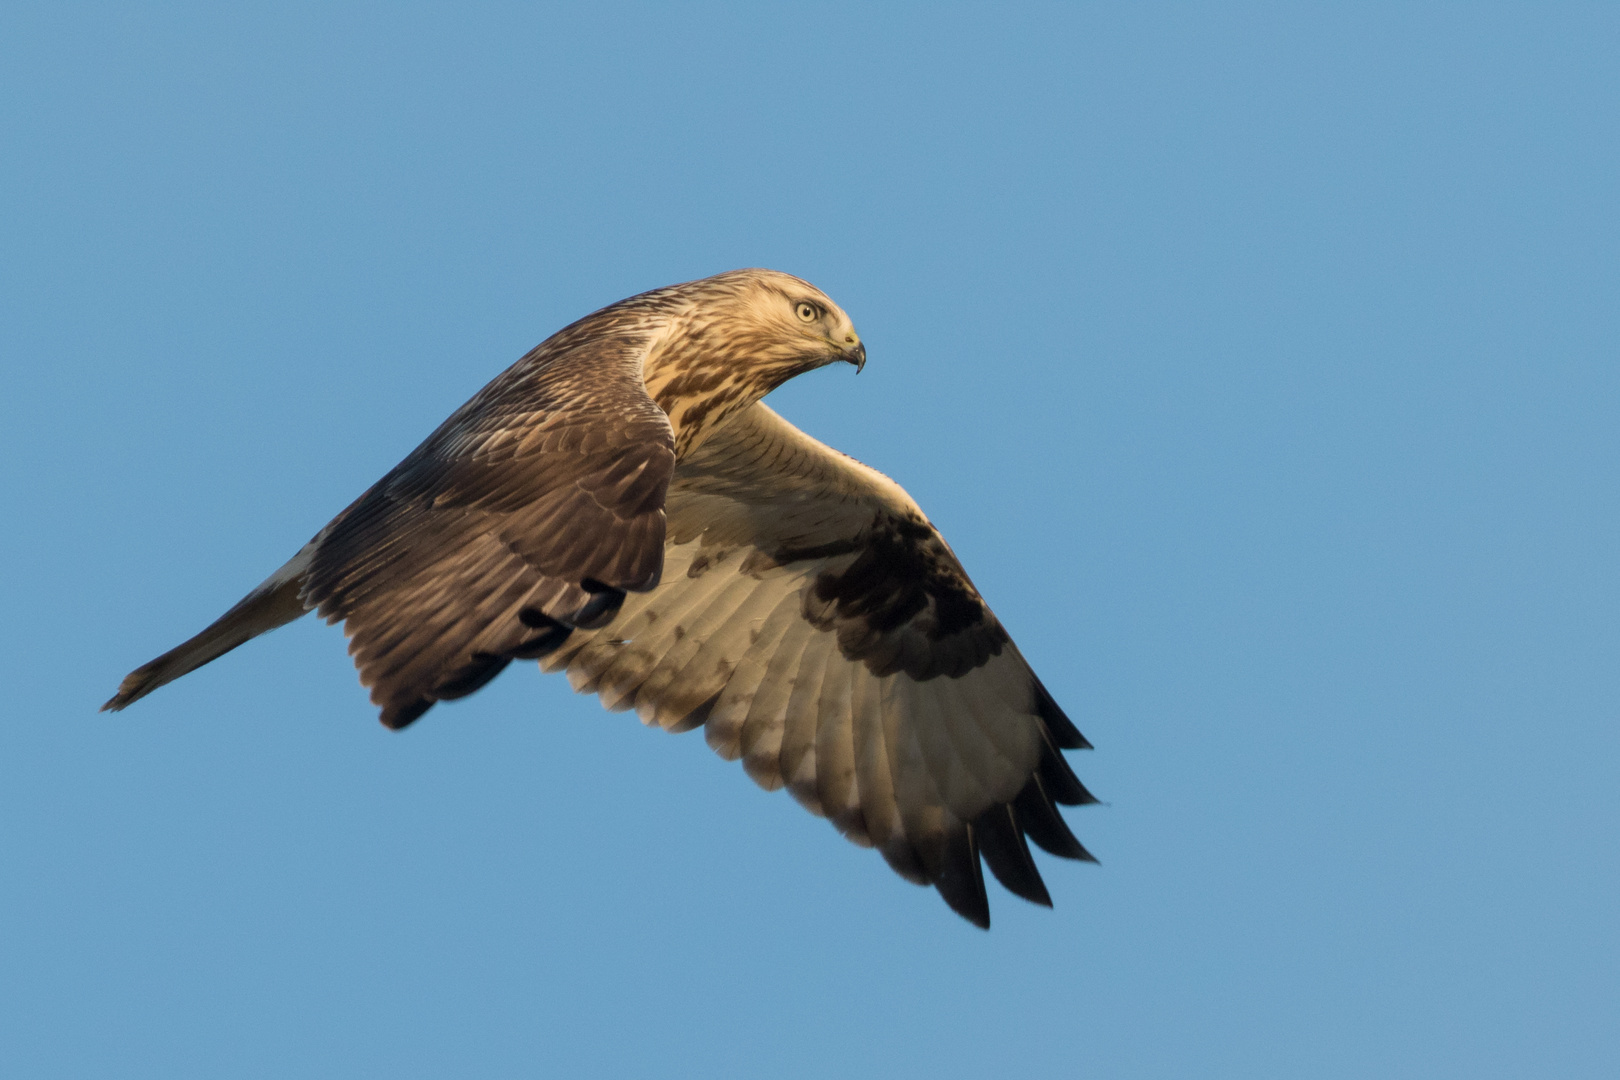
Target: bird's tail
(274, 603)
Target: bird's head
(783, 324)
(735, 337)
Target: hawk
(622, 506)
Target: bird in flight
(621, 505)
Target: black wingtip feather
(542, 644)
(961, 881)
(1045, 825)
(599, 610)
(1001, 842)
(535, 619)
(1059, 779)
(1057, 721)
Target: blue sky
(1258, 361)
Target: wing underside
(820, 631)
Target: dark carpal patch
(902, 584)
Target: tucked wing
(531, 511)
(820, 629)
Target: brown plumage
(619, 504)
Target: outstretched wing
(532, 510)
(819, 628)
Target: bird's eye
(807, 311)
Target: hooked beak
(857, 356)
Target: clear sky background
(1258, 360)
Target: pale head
(733, 338)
